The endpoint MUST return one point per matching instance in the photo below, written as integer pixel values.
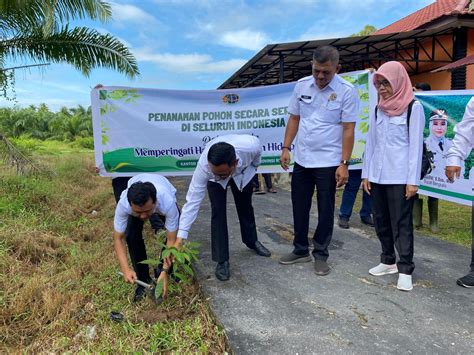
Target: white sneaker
(383, 269)
(404, 282)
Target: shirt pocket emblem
(333, 111)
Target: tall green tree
(37, 32)
(367, 30)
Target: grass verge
(58, 283)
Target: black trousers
(303, 182)
(472, 234)
(472, 255)
(393, 218)
(219, 232)
(119, 184)
(136, 244)
(266, 177)
(136, 247)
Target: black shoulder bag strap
(410, 106)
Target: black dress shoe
(223, 271)
(367, 220)
(343, 223)
(140, 294)
(260, 249)
(321, 267)
(466, 281)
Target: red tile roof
(459, 63)
(425, 15)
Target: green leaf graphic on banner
(102, 94)
(364, 127)
(118, 94)
(120, 165)
(104, 129)
(364, 96)
(350, 79)
(363, 79)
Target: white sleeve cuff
(453, 161)
(182, 234)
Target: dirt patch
(283, 230)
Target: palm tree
(37, 31)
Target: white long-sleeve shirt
(393, 153)
(248, 151)
(463, 140)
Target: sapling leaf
(188, 270)
(159, 289)
(180, 276)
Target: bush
(84, 142)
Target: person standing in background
(268, 183)
(463, 143)
(392, 169)
(348, 199)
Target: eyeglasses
(221, 177)
(384, 83)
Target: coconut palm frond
(81, 47)
(21, 15)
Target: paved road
(270, 308)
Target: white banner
(451, 104)
(165, 131)
(147, 130)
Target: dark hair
(140, 192)
(221, 153)
(423, 86)
(326, 53)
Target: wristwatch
(345, 162)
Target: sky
(198, 44)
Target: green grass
(59, 272)
(454, 220)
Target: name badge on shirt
(305, 97)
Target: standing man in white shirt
(463, 143)
(323, 113)
(229, 160)
(145, 195)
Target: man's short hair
(423, 86)
(140, 192)
(221, 153)
(324, 54)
